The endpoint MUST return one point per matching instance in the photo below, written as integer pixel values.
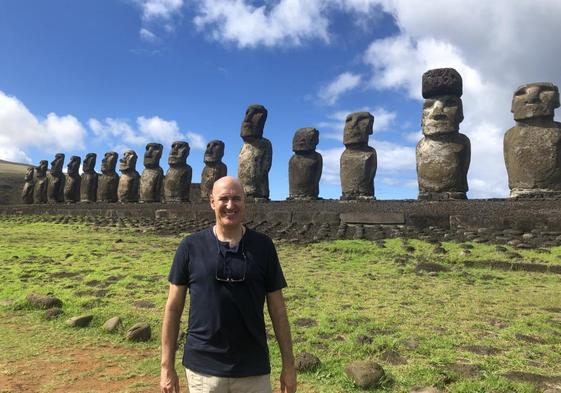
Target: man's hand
(169, 382)
(288, 379)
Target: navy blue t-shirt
(226, 332)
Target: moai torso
(108, 182)
(214, 168)
(177, 183)
(358, 162)
(305, 166)
(152, 178)
(532, 148)
(28, 186)
(443, 155)
(129, 182)
(255, 158)
(55, 184)
(72, 181)
(41, 182)
(88, 186)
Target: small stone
(365, 374)
(501, 248)
(306, 361)
(43, 301)
(425, 390)
(80, 321)
(363, 339)
(52, 313)
(527, 236)
(139, 332)
(112, 324)
(465, 253)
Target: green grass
(347, 300)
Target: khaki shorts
(203, 383)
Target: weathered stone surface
(139, 332)
(55, 183)
(152, 178)
(28, 186)
(88, 186)
(372, 218)
(214, 167)
(80, 321)
(53, 313)
(129, 182)
(306, 361)
(73, 180)
(532, 148)
(359, 161)
(365, 374)
(41, 182)
(108, 182)
(442, 81)
(177, 183)
(305, 166)
(113, 324)
(256, 155)
(43, 301)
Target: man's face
(253, 123)
(227, 201)
(535, 100)
(358, 126)
(214, 151)
(178, 154)
(442, 115)
(109, 162)
(152, 155)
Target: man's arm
(169, 382)
(277, 312)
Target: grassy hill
(11, 181)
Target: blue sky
(93, 76)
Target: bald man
(229, 270)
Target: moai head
(442, 109)
(109, 162)
(29, 173)
(305, 139)
(74, 165)
(56, 164)
(253, 123)
(152, 155)
(89, 163)
(128, 162)
(535, 100)
(42, 168)
(179, 153)
(358, 127)
(214, 151)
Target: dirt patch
(541, 381)
(305, 322)
(483, 349)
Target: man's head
(89, 163)
(178, 154)
(535, 100)
(358, 127)
(228, 202)
(214, 151)
(442, 115)
(74, 165)
(305, 139)
(128, 162)
(56, 164)
(109, 162)
(253, 123)
(152, 155)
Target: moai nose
(533, 95)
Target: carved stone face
(128, 162)
(442, 115)
(179, 153)
(358, 127)
(152, 155)
(29, 173)
(305, 139)
(56, 164)
(42, 168)
(253, 123)
(535, 100)
(74, 165)
(109, 162)
(214, 151)
(89, 163)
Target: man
(229, 271)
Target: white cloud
(335, 124)
(331, 167)
(160, 9)
(343, 83)
(393, 157)
(147, 35)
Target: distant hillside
(11, 181)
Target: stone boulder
(43, 301)
(365, 374)
(306, 361)
(113, 324)
(139, 332)
(80, 321)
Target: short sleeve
(179, 272)
(275, 276)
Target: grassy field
(459, 329)
(11, 182)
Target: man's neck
(230, 235)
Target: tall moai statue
(358, 161)
(256, 155)
(88, 187)
(73, 180)
(443, 155)
(305, 166)
(108, 182)
(152, 178)
(28, 186)
(214, 167)
(532, 148)
(177, 183)
(130, 179)
(41, 182)
(55, 186)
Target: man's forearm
(279, 318)
(170, 332)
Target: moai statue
(532, 148)
(130, 179)
(152, 178)
(359, 161)
(214, 167)
(88, 187)
(305, 166)
(177, 183)
(55, 186)
(28, 186)
(443, 155)
(108, 182)
(41, 182)
(254, 161)
(73, 180)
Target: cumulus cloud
(331, 158)
(158, 16)
(343, 83)
(147, 35)
(334, 126)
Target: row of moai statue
(532, 153)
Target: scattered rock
(365, 374)
(529, 339)
(465, 253)
(139, 332)
(501, 248)
(43, 301)
(306, 361)
(539, 380)
(305, 322)
(425, 390)
(363, 339)
(411, 344)
(80, 321)
(143, 304)
(53, 313)
(464, 370)
(113, 324)
(431, 267)
(392, 357)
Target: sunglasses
(231, 269)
